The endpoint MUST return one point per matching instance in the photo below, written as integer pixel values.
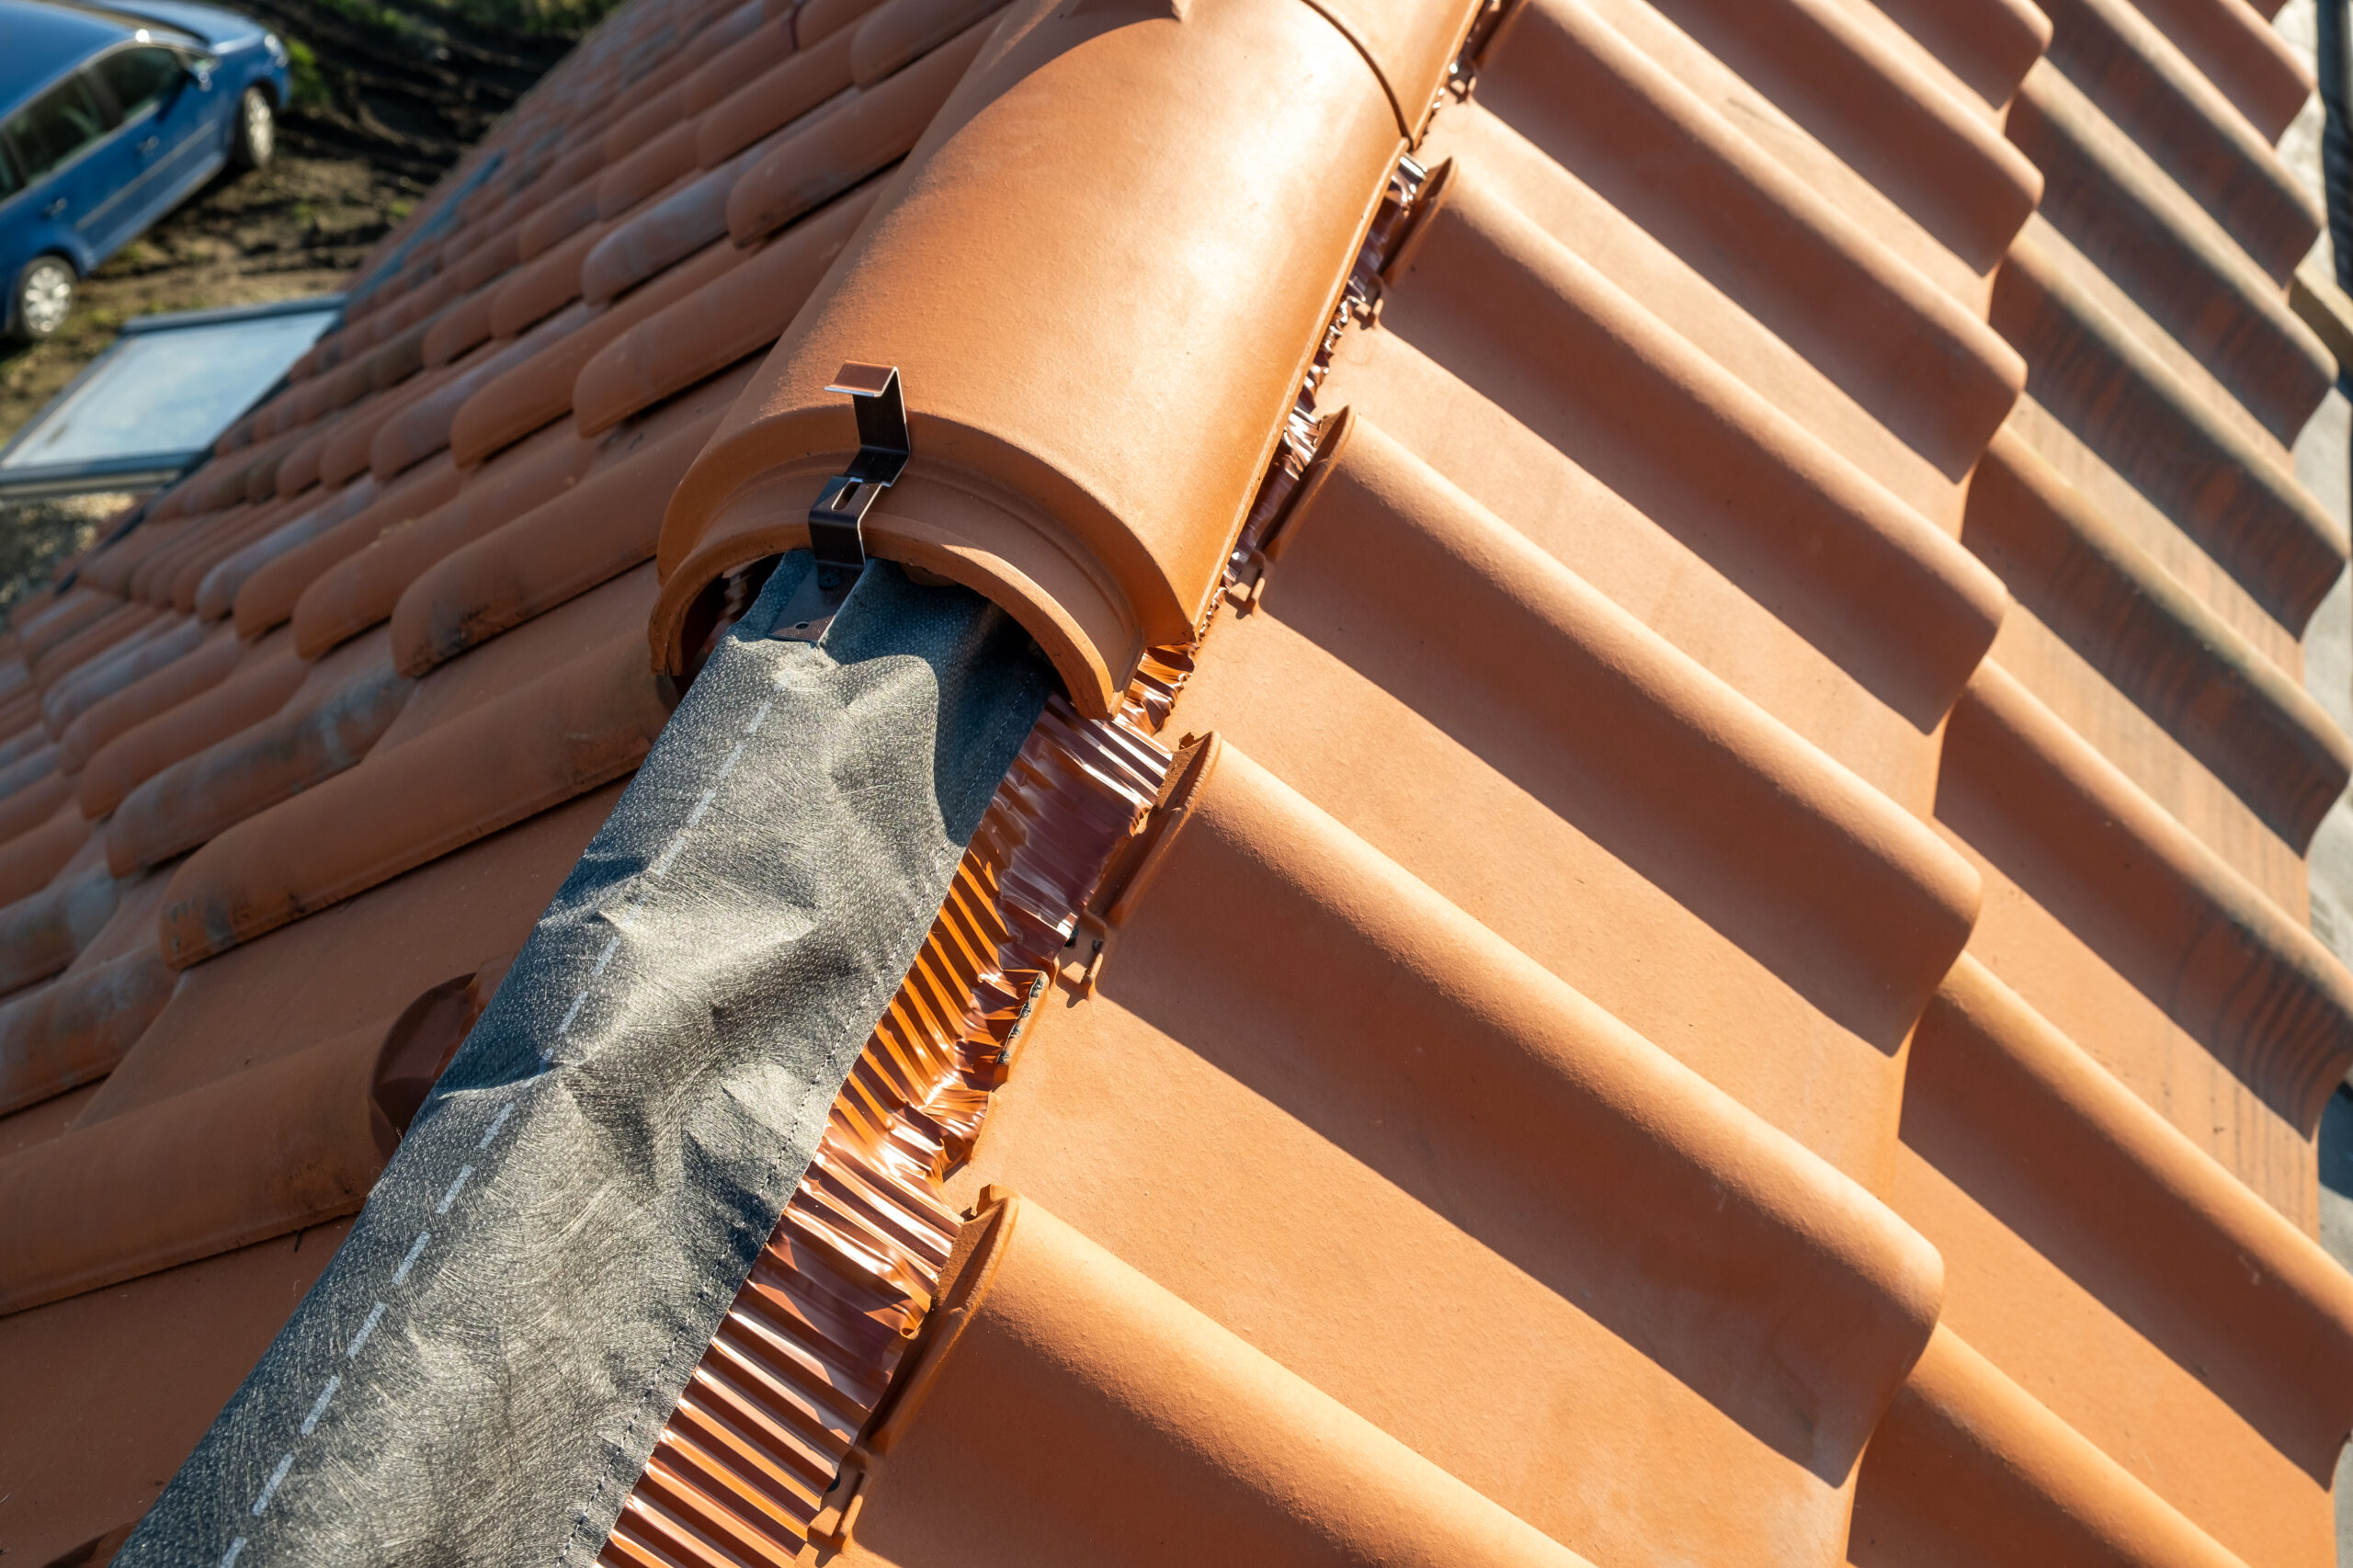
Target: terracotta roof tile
(45, 931)
(289, 1144)
(694, 215)
(274, 583)
(29, 860)
(538, 744)
(364, 959)
(688, 339)
(75, 1031)
(335, 714)
(539, 390)
(2223, 700)
(1974, 1466)
(1881, 1042)
(313, 514)
(125, 1379)
(876, 125)
(2179, 119)
(2256, 988)
(359, 591)
(2239, 501)
(1294, 1476)
(545, 556)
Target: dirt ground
(386, 96)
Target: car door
(70, 165)
(165, 124)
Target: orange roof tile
(1680, 832)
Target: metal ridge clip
(837, 519)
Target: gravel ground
(386, 96)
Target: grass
(310, 83)
(543, 18)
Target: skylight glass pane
(164, 390)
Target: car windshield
(58, 124)
(137, 78)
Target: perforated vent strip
(835, 1297)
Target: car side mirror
(199, 66)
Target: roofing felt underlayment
(1660, 915)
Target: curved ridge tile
(2191, 933)
(2176, 1244)
(1888, 119)
(2124, 214)
(356, 695)
(66, 1034)
(1899, 346)
(2261, 732)
(1172, 1420)
(1179, 155)
(1889, 596)
(2240, 502)
(1967, 1468)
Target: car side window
(137, 78)
(9, 183)
(55, 126)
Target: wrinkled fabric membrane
(482, 1369)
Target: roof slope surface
(1733, 906)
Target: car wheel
(43, 298)
(256, 129)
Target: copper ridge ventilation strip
(741, 1469)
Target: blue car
(109, 118)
